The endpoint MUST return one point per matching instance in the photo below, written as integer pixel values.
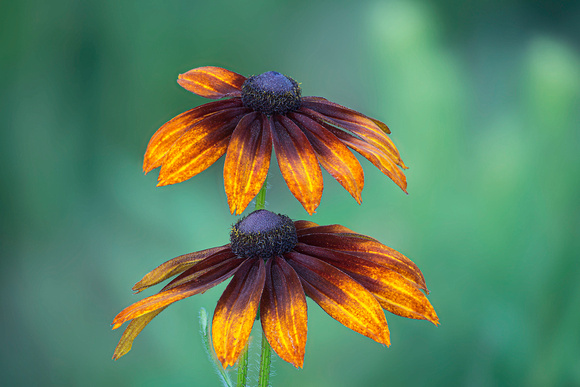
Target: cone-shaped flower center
(263, 234)
(271, 93)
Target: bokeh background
(483, 99)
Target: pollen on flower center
(271, 93)
(263, 234)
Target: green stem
(243, 361)
(261, 197)
(243, 368)
(265, 362)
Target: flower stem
(243, 368)
(261, 197)
(265, 362)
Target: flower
(262, 111)
(274, 263)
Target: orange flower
(262, 111)
(274, 263)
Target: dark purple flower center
(271, 93)
(263, 234)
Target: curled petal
(394, 292)
(236, 311)
(303, 224)
(370, 249)
(173, 267)
(341, 297)
(247, 161)
(199, 147)
(133, 329)
(165, 137)
(283, 312)
(330, 229)
(166, 297)
(382, 161)
(212, 82)
(365, 128)
(333, 155)
(298, 163)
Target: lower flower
(275, 264)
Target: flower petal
(329, 229)
(247, 161)
(304, 224)
(344, 112)
(380, 160)
(333, 155)
(133, 329)
(361, 126)
(236, 311)
(165, 136)
(283, 312)
(199, 147)
(171, 294)
(371, 249)
(298, 162)
(394, 292)
(173, 267)
(341, 297)
(212, 82)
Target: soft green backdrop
(483, 99)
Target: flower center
(263, 234)
(271, 93)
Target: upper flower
(262, 111)
(275, 263)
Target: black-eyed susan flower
(259, 112)
(275, 264)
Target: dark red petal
(341, 297)
(363, 127)
(214, 262)
(283, 312)
(175, 266)
(298, 163)
(202, 283)
(368, 248)
(394, 292)
(247, 161)
(212, 82)
(236, 311)
(333, 155)
(333, 228)
(165, 136)
(303, 224)
(199, 147)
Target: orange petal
(247, 161)
(283, 312)
(333, 155)
(204, 282)
(394, 292)
(236, 311)
(165, 136)
(298, 163)
(174, 267)
(379, 159)
(212, 82)
(341, 297)
(371, 249)
(359, 125)
(200, 147)
(133, 329)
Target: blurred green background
(483, 99)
